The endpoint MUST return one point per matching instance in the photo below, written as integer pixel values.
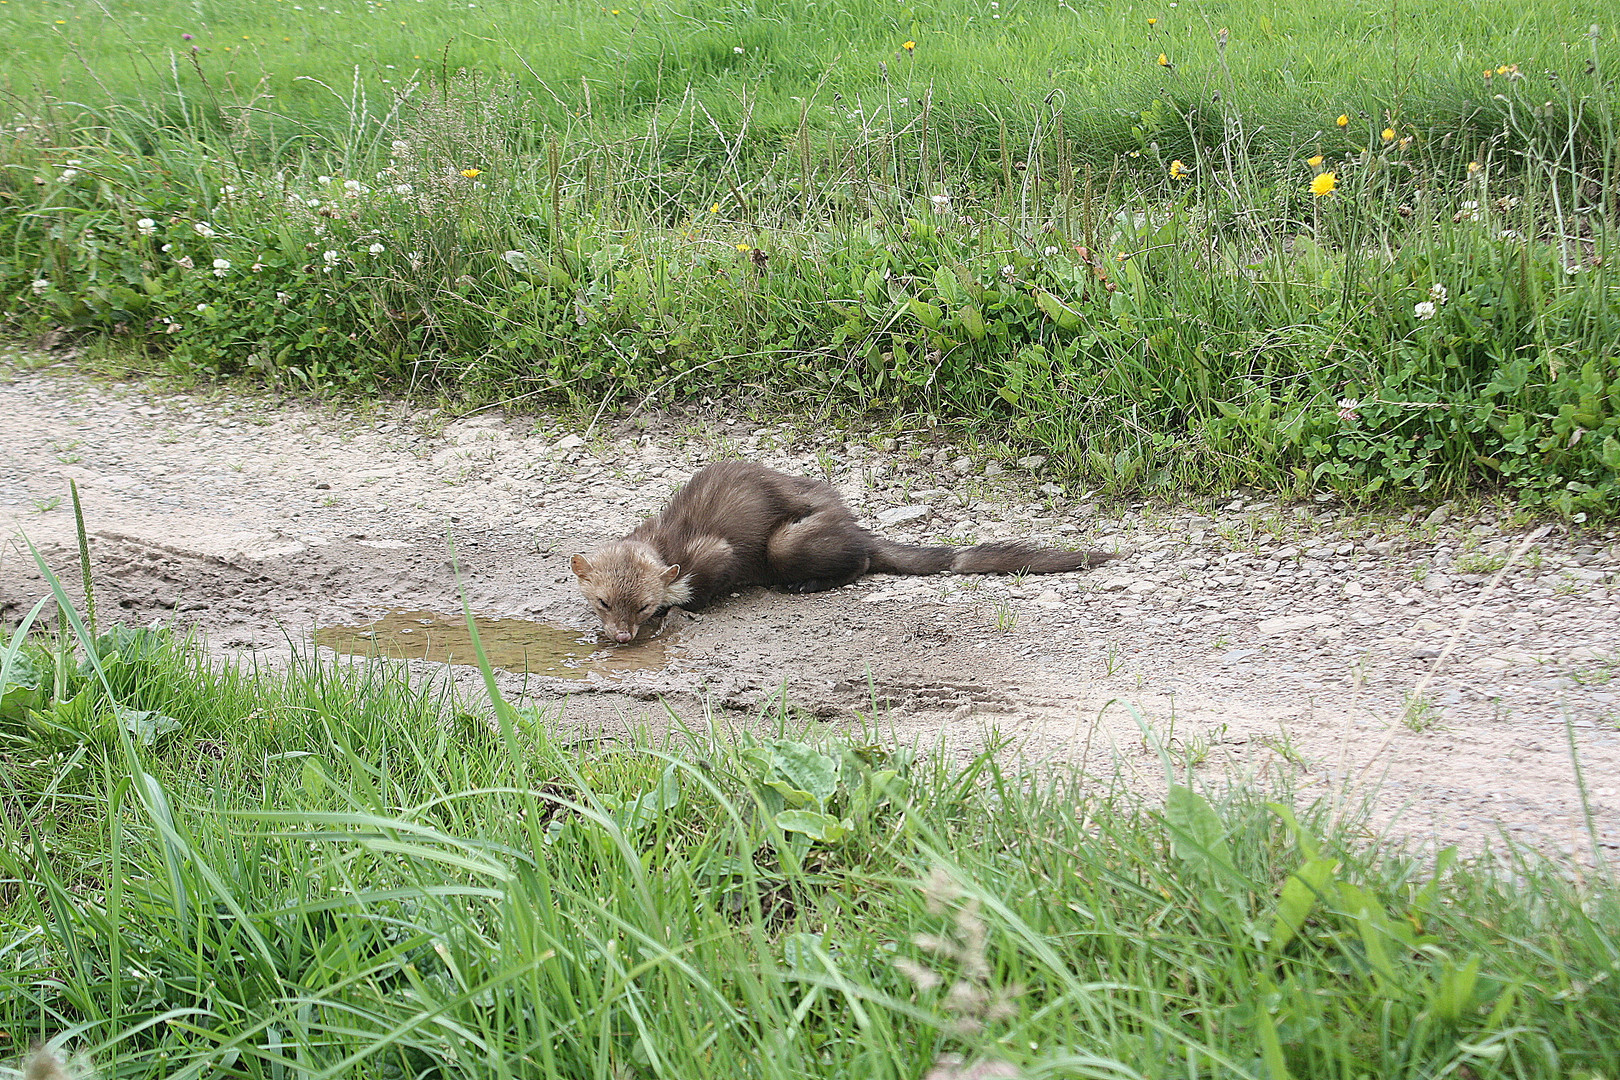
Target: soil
(1458, 663)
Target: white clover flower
(331, 257)
(256, 267)
(1049, 251)
(942, 203)
(282, 298)
(517, 260)
(230, 189)
(323, 179)
(40, 285)
(74, 161)
(147, 226)
(354, 187)
(1424, 310)
(173, 327)
(400, 146)
(185, 263)
(376, 249)
(201, 308)
(738, 49)
(221, 266)
(402, 189)
(1009, 272)
(69, 174)
(1437, 293)
(167, 248)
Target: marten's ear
(582, 569)
(671, 574)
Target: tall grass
(328, 871)
(1121, 262)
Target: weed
(1479, 563)
(46, 505)
(1420, 712)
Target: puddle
(512, 644)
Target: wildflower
(40, 285)
(1405, 142)
(1347, 410)
(376, 249)
(472, 174)
(147, 226)
(1164, 61)
(1178, 171)
(942, 203)
(185, 263)
(1344, 120)
(354, 187)
(402, 189)
(282, 297)
(909, 46)
(331, 257)
(201, 308)
(1424, 309)
(1153, 22)
(220, 266)
(1469, 211)
(1048, 252)
(256, 267)
(1388, 134)
(1009, 272)
(738, 49)
(1324, 184)
(715, 209)
(203, 229)
(1314, 161)
(69, 174)
(166, 248)
(399, 146)
(323, 180)
(1437, 293)
(1489, 74)
(1474, 167)
(185, 37)
(744, 247)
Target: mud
(1451, 657)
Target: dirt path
(1269, 640)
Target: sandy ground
(1451, 657)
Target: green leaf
(145, 725)
(814, 824)
(1298, 896)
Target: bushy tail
(1009, 557)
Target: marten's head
(626, 583)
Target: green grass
(1026, 228)
(326, 870)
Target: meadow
(1365, 248)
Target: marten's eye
(603, 604)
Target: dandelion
(909, 46)
(1324, 184)
(147, 226)
(1164, 61)
(472, 174)
(40, 285)
(185, 263)
(1405, 142)
(1344, 120)
(715, 209)
(1424, 309)
(942, 203)
(744, 247)
(1437, 293)
(1314, 161)
(221, 266)
(1347, 410)
(1490, 74)
(376, 249)
(1153, 22)
(1388, 134)
(1178, 171)
(203, 229)
(1474, 167)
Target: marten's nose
(622, 636)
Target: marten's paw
(813, 585)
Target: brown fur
(738, 523)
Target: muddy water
(513, 644)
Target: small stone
(569, 442)
(904, 515)
(1439, 515)
(1285, 624)
(1032, 462)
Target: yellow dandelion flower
(715, 209)
(744, 247)
(472, 174)
(1474, 167)
(1489, 74)
(1503, 70)
(1178, 171)
(1343, 120)
(1314, 161)
(1404, 143)
(1324, 184)
(1153, 22)
(1164, 61)
(908, 45)
(1388, 134)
